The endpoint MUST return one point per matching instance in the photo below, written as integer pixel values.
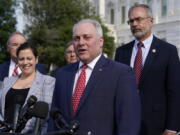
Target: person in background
(29, 82)
(97, 92)
(157, 69)
(70, 54)
(70, 57)
(10, 68)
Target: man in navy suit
(159, 81)
(109, 104)
(6, 68)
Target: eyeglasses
(138, 20)
(70, 52)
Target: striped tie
(15, 71)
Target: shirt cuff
(171, 131)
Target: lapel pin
(89, 133)
(100, 69)
(154, 50)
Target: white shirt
(145, 50)
(11, 68)
(88, 71)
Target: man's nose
(72, 54)
(25, 61)
(81, 41)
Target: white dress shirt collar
(146, 43)
(11, 68)
(92, 64)
(88, 71)
(145, 50)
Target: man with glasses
(157, 69)
(10, 68)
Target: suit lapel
(7, 85)
(128, 53)
(36, 87)
(150, 58)
(70, 84)
(93, 81)
(5, 70)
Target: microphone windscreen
(40, 110)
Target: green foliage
(49, 53)
(50, 26)
(7, 25)
(109, 44)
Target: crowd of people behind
(136, 94)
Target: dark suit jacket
(4, 69)
(159, 86)
(110, 104)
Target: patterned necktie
(15, 71)
(79, 89)
(138, 63)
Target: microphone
(25, 113)
(19, 100)
(31, 101)
(40, 111)
(74, 126)
(62, 125)
(22, 122)
(59, 121)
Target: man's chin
(84, 59)
(138, 35)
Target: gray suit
(42, 88)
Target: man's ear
(101, 41)
(152, 20)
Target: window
(123, 12)
(148, 1)
(112, 16)
(163, 7)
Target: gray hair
(95, 23)
(15, 33)
(146, 7)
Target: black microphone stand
(37, 130)
(70, 131)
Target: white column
(102, 9)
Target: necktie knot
(140, 44)
(84, 67)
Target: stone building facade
(166, 13)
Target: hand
(168, 133)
